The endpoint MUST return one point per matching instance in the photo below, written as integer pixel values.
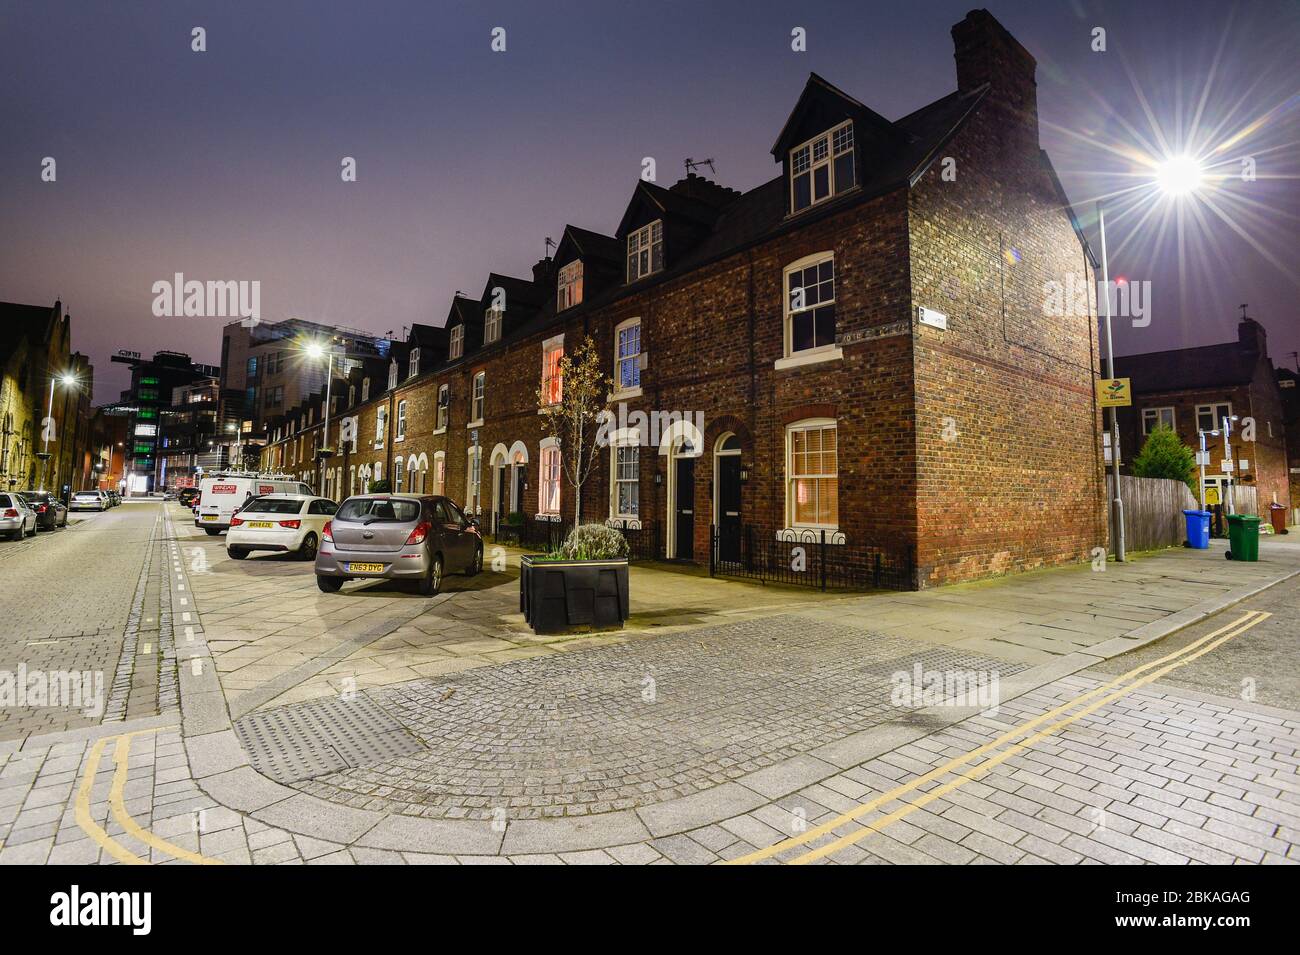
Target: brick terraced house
(858, 347)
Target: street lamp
(68, 380)
(1175, 176)
(316, 350)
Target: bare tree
(573, 416)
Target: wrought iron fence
(821, 559)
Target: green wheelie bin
(1243, 537)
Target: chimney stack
(543, 270)
(1251, 334)
(986, 53)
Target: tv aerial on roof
(694, 164)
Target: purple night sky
(225, 164)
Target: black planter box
(558, 595)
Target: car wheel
(329, 585)
(476, 563)
(236, 553)
(308, 549)
(212, 531)
(431, 584)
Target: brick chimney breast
(986, 53)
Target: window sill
(625, 394)
(811, 357)
(553, 518)
(474, 424)
(442, 430)
(809, 535)
(400, 439)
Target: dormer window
(413, 364)
(822, 167)
(392, 373)
(365, 389)
(569, 288)
(492, 321)
(645, 250)
(457, 346)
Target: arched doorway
(726, 496)
(500, 487)
(518, 479)
(682, 443)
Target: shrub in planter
(583, 584)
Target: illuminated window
(476, 398)
(492, 322)
(627, 355)
(548, 495)
(569, 288)
(552, 382)
(627, 481)
(401, 420)
(812, 476)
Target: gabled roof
(33, 322)
(464, 310)
(818, 94)
(588, 245)
(1184, 369)
(518, 291)
(669, 204)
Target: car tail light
(418, 533)
(11, 513)
(326, 532)
(236, 521)
(40, 508)
(291, 524)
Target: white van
(221, 495)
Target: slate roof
(1207, 366)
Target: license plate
(260, 524)
(209, 517)
(365, 568)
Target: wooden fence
(1153, 510)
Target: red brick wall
(1009, 462)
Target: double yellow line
(1100, 696)
(117, 802)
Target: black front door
(503, 501)
(684, 492)
(729, 508)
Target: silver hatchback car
(398, 537)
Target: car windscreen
(264, 506)
(363, 509)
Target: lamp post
(316, 350)
(67, 380)
(1117, 502)
(1232, 466)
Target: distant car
(50, 511)
(222, 495)
(114, 498)
(17, 519)
(188, 496)
(288, 523)
(88, 501)
(398, 537)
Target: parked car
(114, 498)
(397, 537)
(288, 523)
(17, 519)
(88, 501)
(188, 496)
(221, 495)
(50, 511)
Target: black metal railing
(808, 558)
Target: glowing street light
(1179, 175)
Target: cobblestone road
(88, 602)
(635, 724)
